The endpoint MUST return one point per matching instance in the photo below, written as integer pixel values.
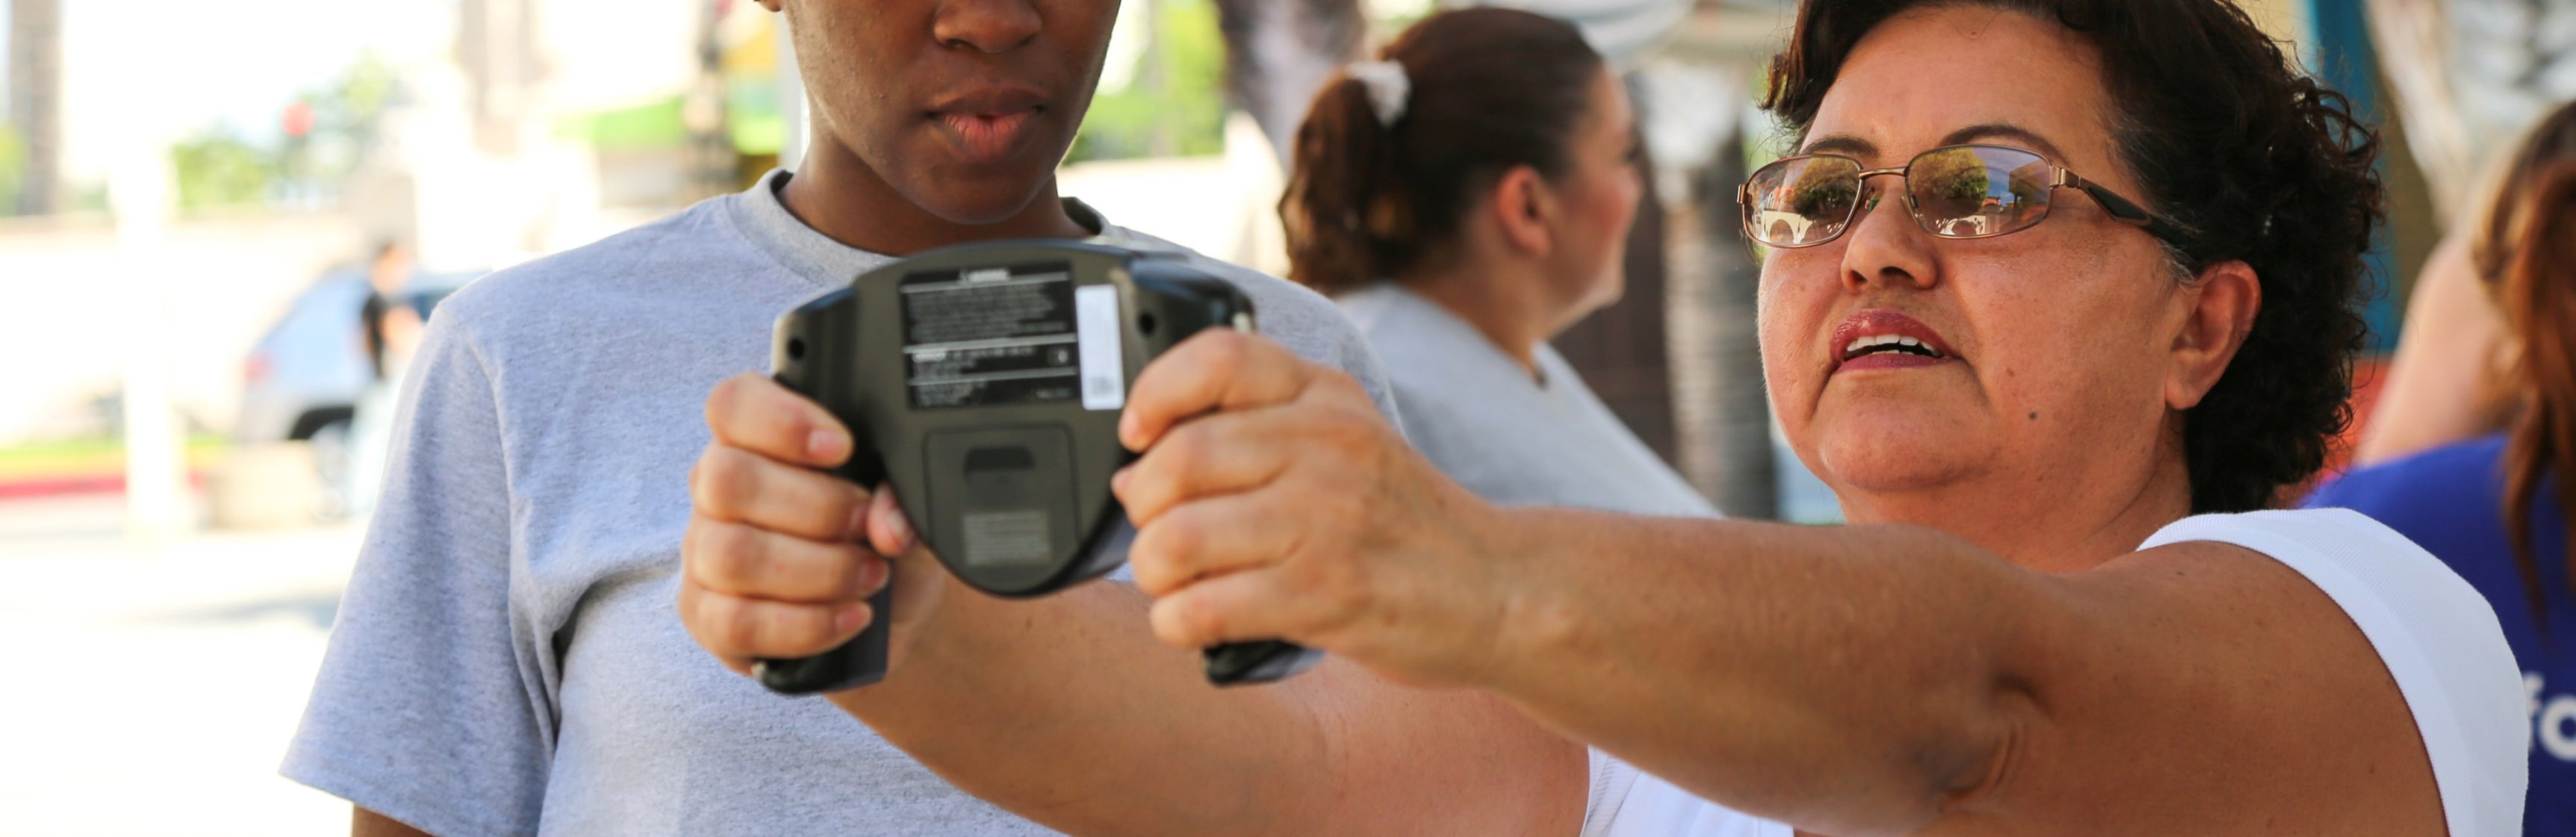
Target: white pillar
(141, 191)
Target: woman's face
(1600, 190)
(2056, 341)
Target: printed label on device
(1104, 374)
(991, 336)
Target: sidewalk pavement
(152, 687)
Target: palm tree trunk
(1279, 52)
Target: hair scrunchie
(1387, 85)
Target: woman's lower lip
(1888, 360)
(987, 137)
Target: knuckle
(840, 571)
(1199, 618)
(720, 401)
(1227, 353)
(795, 627)
(1189, 449)
(1153, 562)
(1340, 514)
(728, 621)
(734, 556)
(725, 480)
(1341, 436)
(1333, 384)
(1181, 536)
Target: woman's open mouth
(1887, 340)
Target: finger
(1240, 607)
(1215, 369)
(741, 486)
(741, 560)
(688, 607)
(1219, 454)
(1211, 538)
(738, 628)
(757, 414)
(889, 529)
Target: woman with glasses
(2057, 299)
(1466, 197)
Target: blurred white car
(304, 379)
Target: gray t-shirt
(507, 659)
(1474, 413)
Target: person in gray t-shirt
(506, 659)
(1490, 155)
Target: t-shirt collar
(763, 217)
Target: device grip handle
(1259, 661)
(858, 662)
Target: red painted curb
(77, 484)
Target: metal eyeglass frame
(2120, 209)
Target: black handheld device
(985, 382)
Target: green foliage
(1183, 114)
(346, 113)
(13, 160)
(216, 166)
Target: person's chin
(1894, 454)
(980, 197)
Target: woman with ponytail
(2497, 508)
(1465, 197)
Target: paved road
(150, 688)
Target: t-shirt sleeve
(2436, 634)
(428, 709)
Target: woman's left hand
(1274, 502)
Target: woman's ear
(1524, 208)
(2223, 303)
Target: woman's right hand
(780, 556)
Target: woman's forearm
(1850, 678)
(2435, 389)
(1066, 710)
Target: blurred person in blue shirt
(2494, 507)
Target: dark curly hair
(2256, 161)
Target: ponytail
(1342, 159)
(1491, 89)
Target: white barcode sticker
(1095, 324)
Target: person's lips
(988, 125)
(1883, 339)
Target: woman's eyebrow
(2005, 130)
(1841, 144)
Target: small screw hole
(795, 349)
(1145, 323)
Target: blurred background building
(191, 197)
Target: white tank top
(2436, 635)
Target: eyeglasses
(1959, 191)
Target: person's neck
(2067, 523)
(1502, 303)
(841, 197)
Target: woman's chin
(1859, 465)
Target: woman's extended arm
(1864, 680)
